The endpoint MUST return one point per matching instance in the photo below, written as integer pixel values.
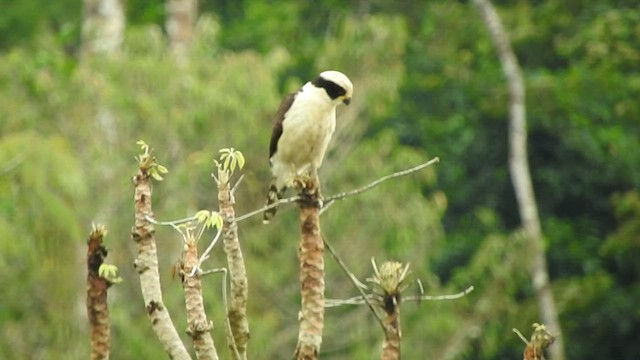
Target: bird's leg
(308, 186)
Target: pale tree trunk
(181, 17)
(239, 285)
(102, 26)
(102, 34)
(520, 174)
(146, 263)
(103, 23)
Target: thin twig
(205, 255)
(331, 199)
(174, 222)
(355, 281)
(356, 300)
(439, 297)
(343, 195)
(261, 210)
(235, 186)
(227, 322)
(520, 335)
(359, 300)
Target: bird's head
(337, 85)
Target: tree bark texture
(198, 327)
(311, 255)
(239, 289)
(146, 263)
(391, 343)
(520, 174)
(97, 307)
(102, 26)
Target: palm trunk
(146, 263)
(311, 254)
(239, 288)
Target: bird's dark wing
(277, 125)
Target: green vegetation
(427, 83)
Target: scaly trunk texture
(146, 263)
(239, 284)
(97, 306)
(520, 174)
(198, 327)
(391, 343)
(311, 254)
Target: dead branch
(377, 182)
(357, 283)
(331, 199)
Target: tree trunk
(146, 263)
(520, 174)
(198, 327)
(311, 254)
(181, 16)
(239, 287)
(97, 306)
(102, 26)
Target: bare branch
(261, 210)
(377, 182)
(331, 199)
(358, 284)
(225, 303)
(168, 223)
(205, 255)
(235, 186)
(356, 300)
(520, 335)
(439, 297)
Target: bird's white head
(337, 85)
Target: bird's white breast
(306, 131)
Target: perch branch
(377, 182)
(331, 199)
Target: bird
(303, 127)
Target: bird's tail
(273, 197)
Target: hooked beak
(346, 101)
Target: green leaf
(155, 175)
(162, 169)
(240, 158)
(202, 216)
(227, 159)
(110, 273)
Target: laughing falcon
(302, 130)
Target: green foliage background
(427, 83)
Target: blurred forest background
(427, 83)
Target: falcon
(302, 130)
